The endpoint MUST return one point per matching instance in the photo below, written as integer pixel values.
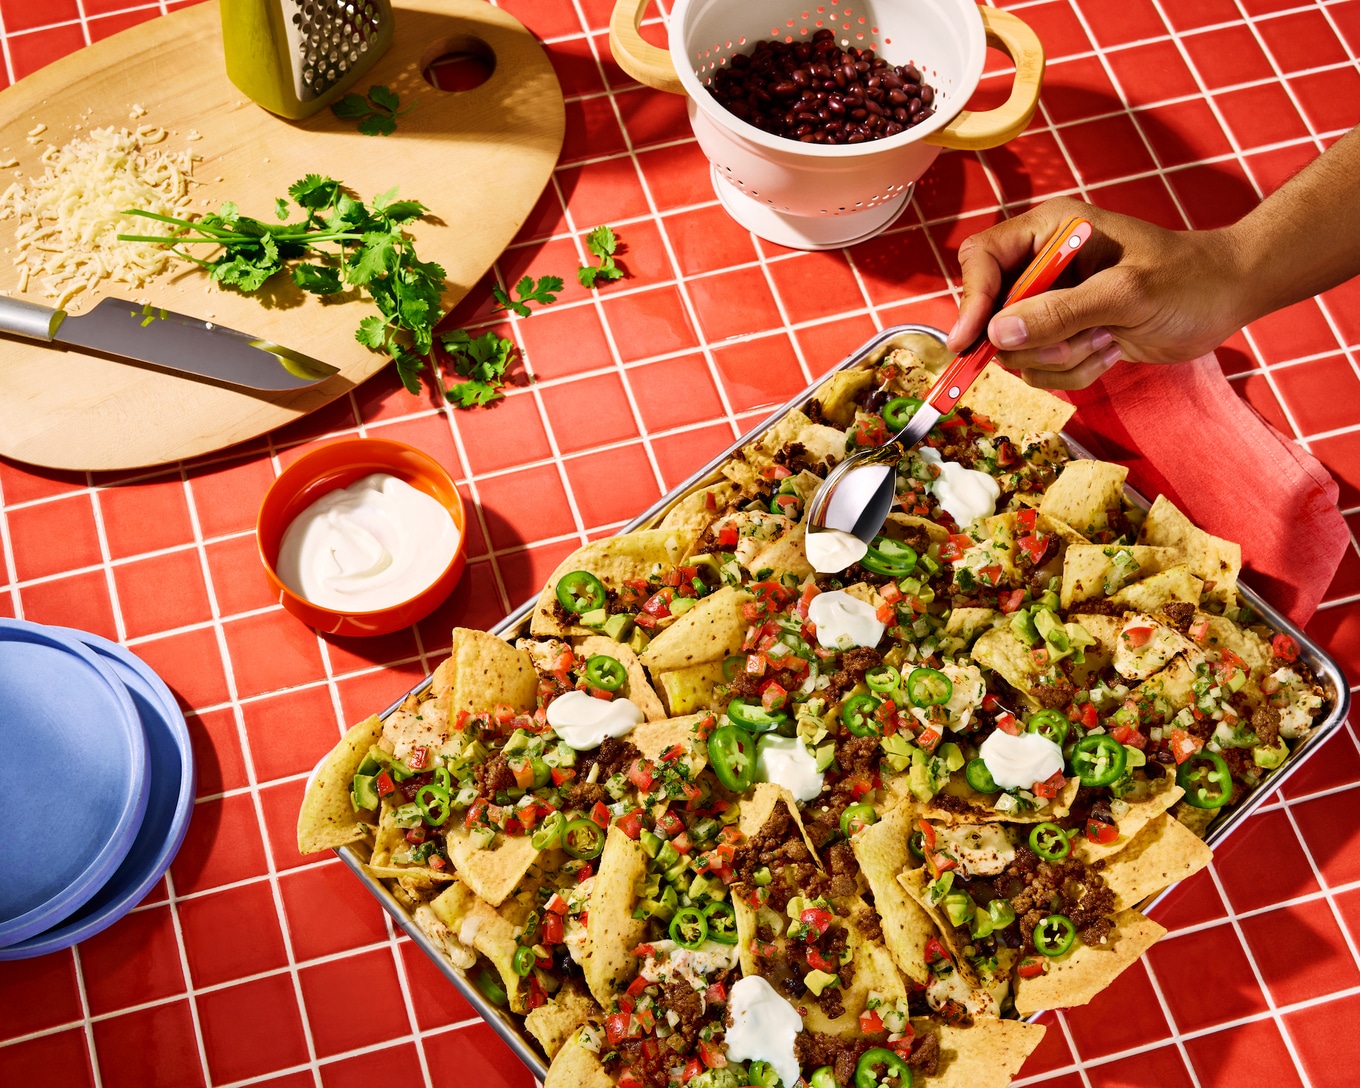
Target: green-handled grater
(295, 56)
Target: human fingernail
(1111, 355)
(1054, 353)
(1100, 337)
(1008, 332)
(953, 332)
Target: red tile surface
(744, 327)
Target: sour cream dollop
(371, 545)
(844, 622)
(763, 1027)
(583, 721)
(965, 493)
(787, 761)
(832, 550)
(1019, 762)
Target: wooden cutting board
(478, 159)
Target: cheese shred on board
(69, 219)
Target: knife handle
(29, 319)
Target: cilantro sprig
(601, 243)
(542, 292)
(482, 360)
(376, 111)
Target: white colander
(822, 196)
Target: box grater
(295, 56)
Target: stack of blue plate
(99, 790)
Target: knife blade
(186, 345)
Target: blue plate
(171, 802)
(77, 783)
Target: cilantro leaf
(281, 208)
(376, 112)
(372, 333)
(352, 105)
(314, 192)
(382, 96)
(543, 292)
(377, 125)
(601, 243)
(317, 279)
(483, 360)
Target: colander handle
(641, 59)
(971, 129)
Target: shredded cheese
(68, 220)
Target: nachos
(723, 819)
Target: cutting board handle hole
(458, 63)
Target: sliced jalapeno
(1054, 935)
(721, 920)
(929, 687)
(889, 557)
(1099, 760)
(548, 834)
(688, 928)
(603, 671)
(857, 715)
(1049, 841)
(882, 679)
(583, 839)
(732, 753)
(892, 1063)
(1052, 724)
(580, 591)
(897, 412)
(523, 961)
(980, 777)
(434, 804)
(491, 988)
(1205, 769)
(917, 844)
(732, 666)
(857, 817)
(753, 717)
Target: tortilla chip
(979, 806)
(966, 623)
(694, 510)
(554, 1023)
(1197, 820)
(459, 954)
(874, 971)
(417, 722)
(654, 738)
(493, 873)
(1086, 566)
(478, 924)
(1173, 584)
(882, 852)
(576, 1067)
(1164, 852)
(327, 819)
(916, 884)
(837, 395)
(1052, 526)
(484, 670)
(710, 631)
(1131, 825)
(1076, 977)
(1144, 661)
(613, 561)
(612, 932)
(636, 689)
(987, 1055)
(1173, 683)
(1215, 560)
(788, 553)
(1083, 492)
(1007, 656)
(1223, 634)
(821, 444)
(1016, 407)
(758, 806)
(691, 689)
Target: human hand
(1147, 294)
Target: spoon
(854, 499)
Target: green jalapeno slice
(580, 591)
(1049, 841)
(688, 928)
(883, 679)
(857, 817)
(897, 412)
(1054, 935)
(1201, 770)
(732, 754)
(890, 557)
(894, 1065)
(762, 1075)
(979, 776)
(825, 1077)
(605, 672)
(583, 839)
(491, 989)
(548, 834)
(857, 715)
(753, 717)
(523, 961)
(721, 920)
(929, 687)
(1051, 724)
(1099, 760)
(433, 801)
(733, 665)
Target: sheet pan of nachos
(701, 815)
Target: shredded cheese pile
(68, 219)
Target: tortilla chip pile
(783, 821)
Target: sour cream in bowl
(362, 536)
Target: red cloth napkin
(1182, 431)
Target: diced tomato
(982, 423)
(600, 693)
(753, 611)
(891, 592)
(1199, 630)
(1010, 601)
(861, 786)
(642, 951)
(416, 834)
(671, 754)
(1128, 734)
(503, 713)
(703, 729)
(930, 737)
(1183, 745)
(1284, 647)
(670, 823)
(1089, 717)
(1032, 547)
(555, 904)
(691, 791)
(475, 812)
(436, 862)
(1051, 786)
(716, 994)
(640, 774)
(631, 824)
(645, 1019)
(629, 1079)
(634, 591)
(935, 951)
(773, 696)
(870, 1022)
(991, 704)
(927, 831)
(731, 833)
(562, 774)
(819, 919)
(384, 784)
(869, 432)
(600, 814)
(693, 1068)
(639, 983)
(616, 1028)
(712, 1054)
(756, 664)
(788, 504)
(584, 873)
(1008, 723)
(776, 472)
(551, 928)
(939, 862)
(658, 605)
(1100, 832)
(952, 421)
(902, 1045)
(681, 842)
(710, 501)
(418, 759)
(990, 575)
(1032, 967)
(523, 770)
(1024, 519)
(1136, 636)
(886, 614)
(536, 995)
(727, 536)
(819, 962)
(953, 548)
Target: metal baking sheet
(510, 1027)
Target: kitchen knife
(187, 345)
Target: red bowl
(338, 465)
